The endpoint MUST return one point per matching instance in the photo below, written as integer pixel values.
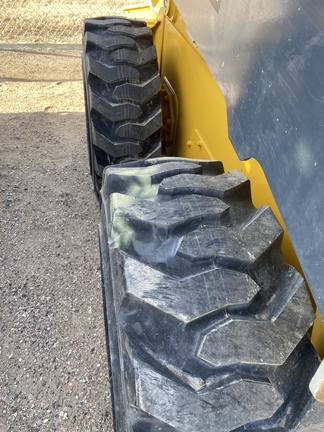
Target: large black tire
(207, 324)
(122, 93)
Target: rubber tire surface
(122, 93)
(207, 325)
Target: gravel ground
(53, 363)
(53, 368)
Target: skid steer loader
(205, 123)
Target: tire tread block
(130, 31)
(208, 292)
(208, 167)
(136, 229)
(108, 43)
(104, 23)
(301, 413)
(221, 186)
(139, 92)
(139, 182)
(140, 58)
(110, 74)
(167, 216)
(141, 130)
(205, 411)
(243, 244)
(259, 342)
(116, 149)
(114, 112)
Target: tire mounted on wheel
(122, 93)
(206, 322)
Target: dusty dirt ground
(53, 363)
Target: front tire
(207, 324)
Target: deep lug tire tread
(191, 270)
(122, 91)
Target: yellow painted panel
(202, 130)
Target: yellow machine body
(202, 129)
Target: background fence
(51, 21)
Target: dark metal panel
(268, 59)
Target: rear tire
(207, 324)
(122, 93)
